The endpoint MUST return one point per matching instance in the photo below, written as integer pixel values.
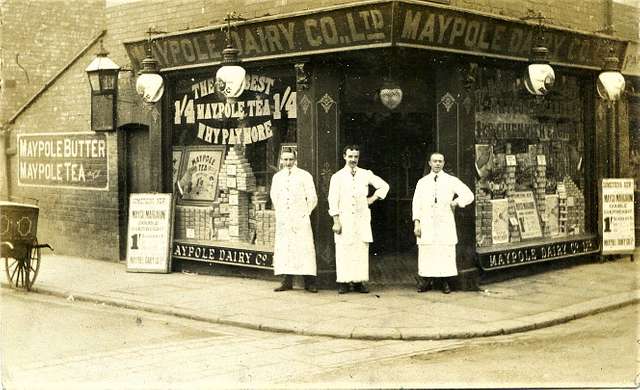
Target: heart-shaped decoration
(391, 97)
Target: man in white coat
(294, 197)
(436, 197)
(349, 207)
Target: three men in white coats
(349, 207)
(436, 197)
(294, 197)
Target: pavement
(505, 307)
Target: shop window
(225, 153)
(529, 163)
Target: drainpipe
(4, 164)
(609, 17)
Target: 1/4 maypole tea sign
(67, 160)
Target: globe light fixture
(610, 82)
(390, 94)
(230, 78)
(539, 76)
(150, 84)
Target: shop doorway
(395, 146)
(133, 175)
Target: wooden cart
(18, 243)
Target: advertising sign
(499, 221)
(64, 160)
(149, 233)
(376, 24)
(528, 220)
(617, 216)
(223, 255)
(553, 250)
(205, 163)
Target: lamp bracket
(231, 17)
(151, 31)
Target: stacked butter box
(575, 207)
(540, 185)
(510, 183)
(236, 181)
(483, 218)
(259, 199)
(220, 216)
(265, 227)
(562, 209)
(239, 174)
(192, 222)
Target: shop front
(452, 82)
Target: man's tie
(435, 189)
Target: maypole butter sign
(67, 160)
(246, 120)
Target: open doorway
(395, 146)
(133, 175)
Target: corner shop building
(314, 82)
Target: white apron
(294, 197)
(348, 200)
(432, 207)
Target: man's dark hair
(351, 147)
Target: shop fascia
(379, 24)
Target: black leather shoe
(424, 284)
(362, 287)
(343, 288)
(445, 287)
(311, 288)
(283, 287)
(310, 283)
(287, 284)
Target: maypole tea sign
(210, 118)
(66, 160)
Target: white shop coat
(437, 221)
(294, 198)
(348, 200)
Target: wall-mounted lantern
(611, 83)
(230, 78)
(150, 84)
(103, 73)
(103, 79)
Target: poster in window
(527, 214)
(499, 221)
(289, 147)
(202, 165)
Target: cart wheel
(22, 272)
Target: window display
(528, 158)
(232, 147)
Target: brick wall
(37, 39)
(74, 221)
